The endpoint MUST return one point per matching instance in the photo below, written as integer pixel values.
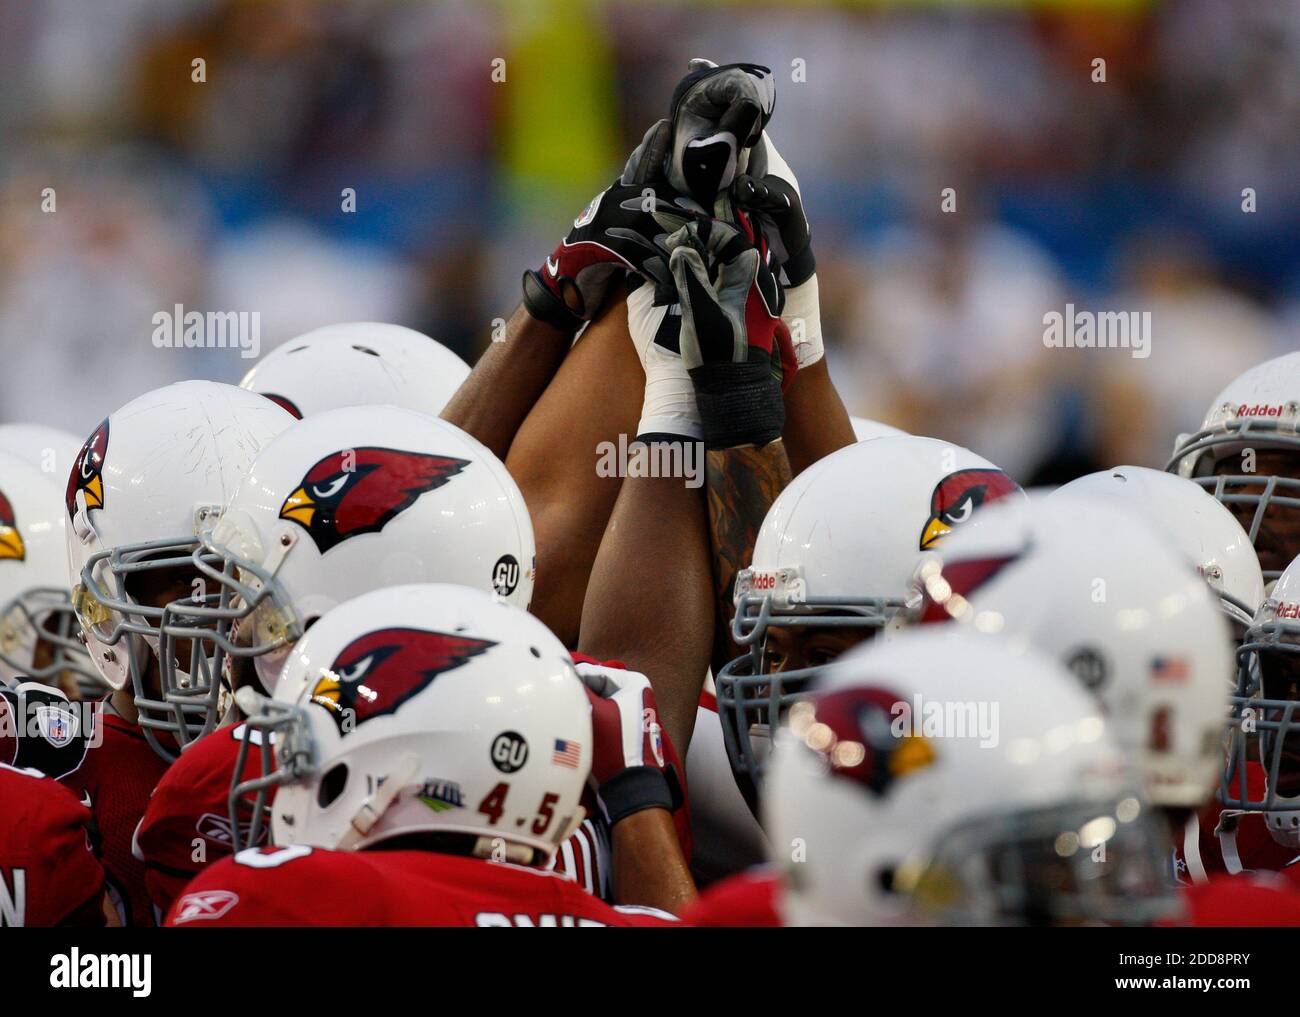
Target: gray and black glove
(733, 343)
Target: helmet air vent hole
(332, 785)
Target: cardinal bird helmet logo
(958, 495)
(11, 541)
(355, 491)
(87, 472)
(865, 736)
(377, 672)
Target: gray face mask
(718, 114)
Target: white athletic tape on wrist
(669, 406)
(803, 316)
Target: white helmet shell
(865, 429)
(855, 523)
(1258, 411)
(145, 485)
(844, 539)
(1197, 525)
(34, 600)
(351, 500)
(924, 762)
(50, 449)
(1093, 585)
(432, 709)
(356, 364)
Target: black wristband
(663, 438)
(545, 306)
(634, 790)
(800, 267)
(739, 404)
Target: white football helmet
(1093, 585)
(342, 503)
(355, 364)
(944, 777)
(49, 449)
(865, 430)
(1200, 528)
(38, 628)
(1259, 411)
(839, 548)
(427, 709)
(146, 484)
(1264, 713)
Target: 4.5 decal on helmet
(87, 472)
(356, 491)
(958, 495)
(11, 541)
(376, 673)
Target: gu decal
(505, 575)
(958, 495)
(11, 541)
(355, 491)
(376, 673)
(87, 472)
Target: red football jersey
(1227, 842)
(298, 886)
(1239, 901)
(115, 780)
(48, 872)
(749, 899)
(186, 826)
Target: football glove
(733, 343)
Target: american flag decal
(1169, 669)
(566, 754)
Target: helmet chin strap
(153, 643)
(375, 804)
(500, 850)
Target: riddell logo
(1285, 610)
(1259, 410)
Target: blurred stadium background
(226, 195)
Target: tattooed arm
(742, 484)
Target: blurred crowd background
(226, 194)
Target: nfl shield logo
(58, 725)
(657, 743)
(588, 213)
